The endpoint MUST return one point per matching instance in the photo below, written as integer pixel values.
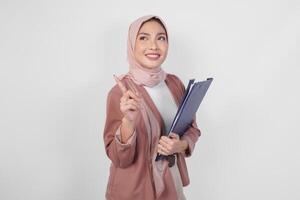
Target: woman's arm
(191, 137)
(127, 129)
(120, 148)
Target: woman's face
(151, 46)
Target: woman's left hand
(172, 144)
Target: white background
(57, 59)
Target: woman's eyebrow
(142, 33)
(162, 33)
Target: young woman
(140, 110)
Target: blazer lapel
(153, 107)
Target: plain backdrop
(57, 59)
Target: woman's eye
(143, 38)
(162, 38)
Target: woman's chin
(151, 66)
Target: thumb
(174, 135)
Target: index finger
(120, 84)
(166, 139)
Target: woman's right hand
(130, 103)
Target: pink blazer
(131, 171)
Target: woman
(140, 110)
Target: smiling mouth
(152, 56)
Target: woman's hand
(130, 103)
(172, 144)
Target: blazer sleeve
(193, 132)
(121, 154)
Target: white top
(165, 103)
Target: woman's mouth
(152, 56)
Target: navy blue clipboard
(188, 107)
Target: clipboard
(188, 107)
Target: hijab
(139, 74)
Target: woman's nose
(153, 45)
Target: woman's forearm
(183, 145)
(127, 129)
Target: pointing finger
(120, 84)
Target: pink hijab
(139, 74)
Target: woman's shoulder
(174, 78)
(115, 90)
